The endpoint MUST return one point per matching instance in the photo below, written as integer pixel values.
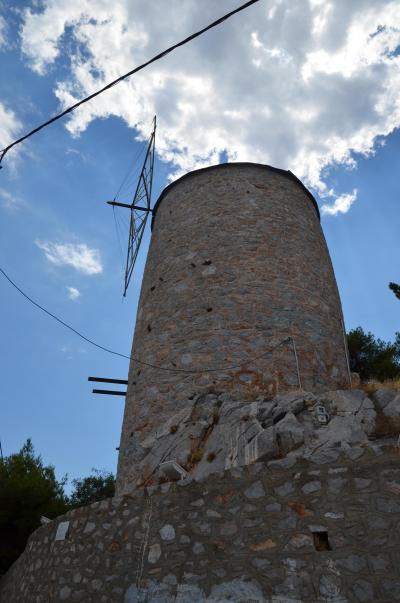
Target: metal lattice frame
(140, 208)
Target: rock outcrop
(216, 432)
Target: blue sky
(326, 107)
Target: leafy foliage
(395, 288)
(373, 358)
(97, 486)
(28, 489)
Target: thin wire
(126, 75)
(132, 168)
(118, 237)
(154, 366)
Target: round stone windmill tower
(238, 297)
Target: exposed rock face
(215, 432)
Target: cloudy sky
(307, 85)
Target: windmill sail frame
(139, 208)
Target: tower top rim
(287, 173)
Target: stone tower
(238, 295)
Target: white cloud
(301, 85)
(73, 293)
(10, 127)
(3, 36)
(9, 201)
(79, 256)
(341, 204)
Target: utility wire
(160, 368)
(126, 75)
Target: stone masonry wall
(237, 264)
(321, 533)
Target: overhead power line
(157, 57)
(141, 362)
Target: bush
(373, 358)
(28, 490)
(87, 490)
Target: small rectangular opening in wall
(321, 541)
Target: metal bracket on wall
(109, 392)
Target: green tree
(95, 487)
(373, 358)
(395, 288)
(28, 489)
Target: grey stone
(393, 587)
(388, 505)
(315, 528)
(329, 587)
(256, 490)
(89, 527)
(212, 513)
(324, 456)
(251, 522)
(184, 539)
(198, 548)
(273, 508)
(65, 593)
(377, 523)
(353, 563)
(237, 591)
(198, 503)
(154, 553)
(285, 489)
(167, 532)
(221, 573)
(265, 446)
(334, 515)
(383, 396)
(96, 584)
(289, 522)
(378, 563)
(311, 487)
(284, 463)
(354, 452)
(361, 483)
(393, 408)
(336, 485)
(289, 433)
(228, 529)
(205, 528)
(300, 541)
(260, 563)
(363, 590)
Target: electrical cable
(141, 362)
(126, 75)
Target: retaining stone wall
(248, 535)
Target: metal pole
(346, 351)
(1, 452)
(297, 362)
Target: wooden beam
(109, 392)
(115, 203)
(106, 380)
